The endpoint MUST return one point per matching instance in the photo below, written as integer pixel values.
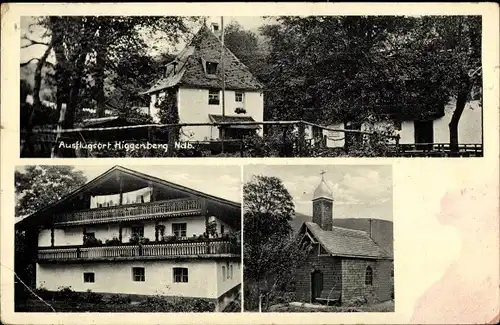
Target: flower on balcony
(240, 110)
(91, 241)
(168, 238)
(136, 239)
(112, 242)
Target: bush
(164, 304)
(136, 239)
(89, 241)
(169, 239)
(91, 297)
(119, 300)
(65, 293)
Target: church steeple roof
(323, 190)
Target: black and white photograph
(127, 239)
(251, 86)
(318, 238)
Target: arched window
(223, 273)
(369, 276)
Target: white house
(193, 81)
(126, 232)
(434, 129)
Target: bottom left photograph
(156, 238)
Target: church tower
(323, 205)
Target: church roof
(188, 70)
(323, 191)
(346, 242)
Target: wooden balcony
(208, 249)
(140, 211)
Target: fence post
(302, 139)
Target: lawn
(384, 307)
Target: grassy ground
(35, 305)
(387, 306)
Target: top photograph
(252, 86)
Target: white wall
(194, 108)
(469, 127)
(227, 227)
(74, 235)
(224, 283)
(117, 277)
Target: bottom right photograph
(318, 238)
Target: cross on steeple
(322, 174)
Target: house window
(223, 273)
(369, 276)
(179, 229)
(180, 274)
(231, 268)
(211, 68)
(88, 277)
(138, 231)
(238, 97)
(89, 235)
(222, 229)
(213, 97)
(228, 270)
(138, 274)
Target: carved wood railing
(149, 250)
(123, 212)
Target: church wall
(353, 280)
(328, 265)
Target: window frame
(138, 277)
(242, 97)
(85, 274)
(223, 273)
(134, 233)
(213, 97)
(176, 224)
(368, 275)
(213, 68)
(183, 277)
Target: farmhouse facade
(193, 84)
(126, 232)
(343, 264)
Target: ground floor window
(223, 273)
(180, 274)
(88, 277)
(138, 274)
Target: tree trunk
(455, 119)
(27, 150)
(101, 97)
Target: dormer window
(211, 68)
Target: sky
(363, 191)
(210, 179)
(247, 22)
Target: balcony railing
(201, 249)
(131, 211)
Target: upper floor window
(223, 273)
(211, 68)
(213, 97)
(138, 274)
(231, 268)
(238, 97)
(179, 229)
(180, 274)
(369, 276)
(138, 231)
(88, 277)
(222, 229)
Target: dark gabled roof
(92, 183)
(187, 69)
(346, 242)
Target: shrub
(119, 299)
(169, 238)
(91, 297)
(178, 304)
(65, 293)
(136, 239)
(90, 241)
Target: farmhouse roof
(188, 70)
(346, 242)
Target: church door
(316, 285)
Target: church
(343, 264)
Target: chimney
(215, 28)
(323, 206)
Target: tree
(271, 251)
(38, 186)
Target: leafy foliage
(38, 186)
